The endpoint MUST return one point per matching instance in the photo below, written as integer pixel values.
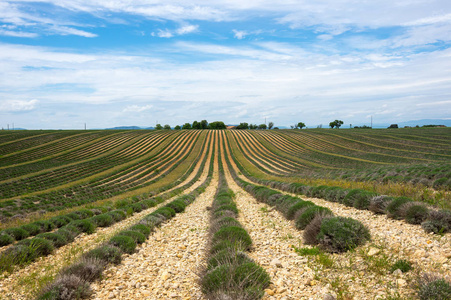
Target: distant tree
(301, 125)
(292, 127)
(196, 125)
(186, 126)
(167, 127)
(204, 124)
(243, 126)
(262, 126)
(336, 123)
(158, 127)
(270, 125)
(217, 125)
(177, 127)
(253, 126)
(275, 128)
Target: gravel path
(273, 237)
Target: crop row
(74, 281)
(48, 149)
(89, 192)
(256, 148)
(432, 220)
(34, 140)
(334, 234)
(55, 177)
(229, 272)
(101, 148)
(9, 235)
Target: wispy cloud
(137, 108)
(18, 105)
(18, 33)
(239, 34)
(185, 29)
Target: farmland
(198, 214)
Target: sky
(64, 63)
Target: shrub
(403, 265)
(57, 239)
(230, 207)
(309, 214)
(393, 207)
(251, 275)
(432, 287)
(165, 211)
(38, 246)
(221, 245)
(145, 230)
(16, 233)
(137, 236)
(378, 204)
(69, 231)
(32, 229)
(117, 215)
(312, 229)
(224, 222)
(106, 253)
(245, 281)
(84, 226)
(45, 225)
(125, 243)
(136, 207)
(339, 234)
(72, 216)
(103, 220)
(300, 205)
(235, 235)
(5, 239)
(88, 269)
(227, 256)
(358, 198)
(438, 221)
(60, 221)
(414, 212)
(177, 205)
(84, 213)
(66, 287)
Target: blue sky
(64, 63)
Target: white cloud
(187, 29)
(18, 33)
(239, 34)
(18, 105)
(166, 33)
(137, 108)
(64, 30)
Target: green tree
(167, 127)
(177, 127)
(253, 126)
(301, 125)
(262, 126)
(186, 126)
(270, 125)
(158, 127)
(204, 124)
(336, 123)
(217, 125)
(196, 125)
(243, 126)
